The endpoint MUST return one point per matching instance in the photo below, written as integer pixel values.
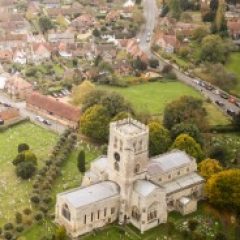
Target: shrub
(19, 228)
(8, 235)
(18, 217)
(25, 169)
(38, 216)
(27, 211)
(8, 226)
(35, 199)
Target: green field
(153, 97)
(14, 193)
(233, 66)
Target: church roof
(84, 196)
(144, 187)
(182, 182)
(168, 161)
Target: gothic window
(85, 219)
(134, 146)
(98, 215)
(116, 166)
(188, 169)
(121, 145)
(66, 213)
(115, 142)
(137, 168)
(152, 212)
(91, 217)
(140, 145)
(112, 210)
(135, 213)
(169, 176)
(178, 173)
(105, 212)
(160, 179)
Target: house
(65, 37)
(83, 23)
(52, 3)
(19, 56)
(113, 16)
(54, 109)
(39, 52)
(129, 187)
(64, 50)
(18, 88)
(234, 29)
(6, 55)
(168, 43)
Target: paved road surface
(151, 14)
(56, 127)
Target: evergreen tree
(81, 161)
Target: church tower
(127, 157)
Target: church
(129, 187)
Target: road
(150, 10)
(55, 126)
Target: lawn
(233, 66)
(153, 97)
(13, 191)
(69, 179)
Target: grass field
(69, 179)
(153, 97)
(13, 191)
(233, 66)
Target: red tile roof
(55, 107)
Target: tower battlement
(129, 127)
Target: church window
(121, 145)
(105, 212)
(188, 169)
(169, 176)
(115, 142)
(66, 213)
(152, 212)
(116, 166)
(137, 168)
(134, 146)
(91, 217)
(178, 173)
(140, 145)
(135, 213)
(112, 210)
(98, 214)
(85, 219)
(160, 179)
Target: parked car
(1, 121)
(219, 103)
(232, 99)
(224, 95)
(230, 112)
(6, 104)
(39, 119)
(47, 122)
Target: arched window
(135, 213)
(65, 212)
(137, 168)
(152, 212)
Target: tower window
(105, 212)
(116, 166)
(137, 168)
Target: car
(237, 104)
(209, 87)
(6, 105)
(232, 99)
(231, 113)
(219, 103)
(1, 121)
(224, 95)
(39, 119)
(47, 122)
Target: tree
(25, 169)
(175, 8)
(153, 63)
(188, 128)
(120, 116)
(96, 33)
(22, 147)
(60, 233)
(223, 189)
(159, 138)
(81, 161)
(220, 152)
(138, 64)
(213, 49)
(192, 225)
(236, 121)
(95, 123)
(199, 33)
(81, 91)
(45, 23)
(186, 143)
(208, 167)
(186, 109)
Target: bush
(8, 235)
(8, 226)
(27, 211)
(35, 199)
(25, 169)
(38, 216)
(19, 228)
(18, 217)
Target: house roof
(168, 161)
(144, 187)
(54, 106)
(84, 196)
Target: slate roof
(84, 196)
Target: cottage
(169, 43)
(54, 109)
(39, 52)
(234, 29)
(129, 187)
